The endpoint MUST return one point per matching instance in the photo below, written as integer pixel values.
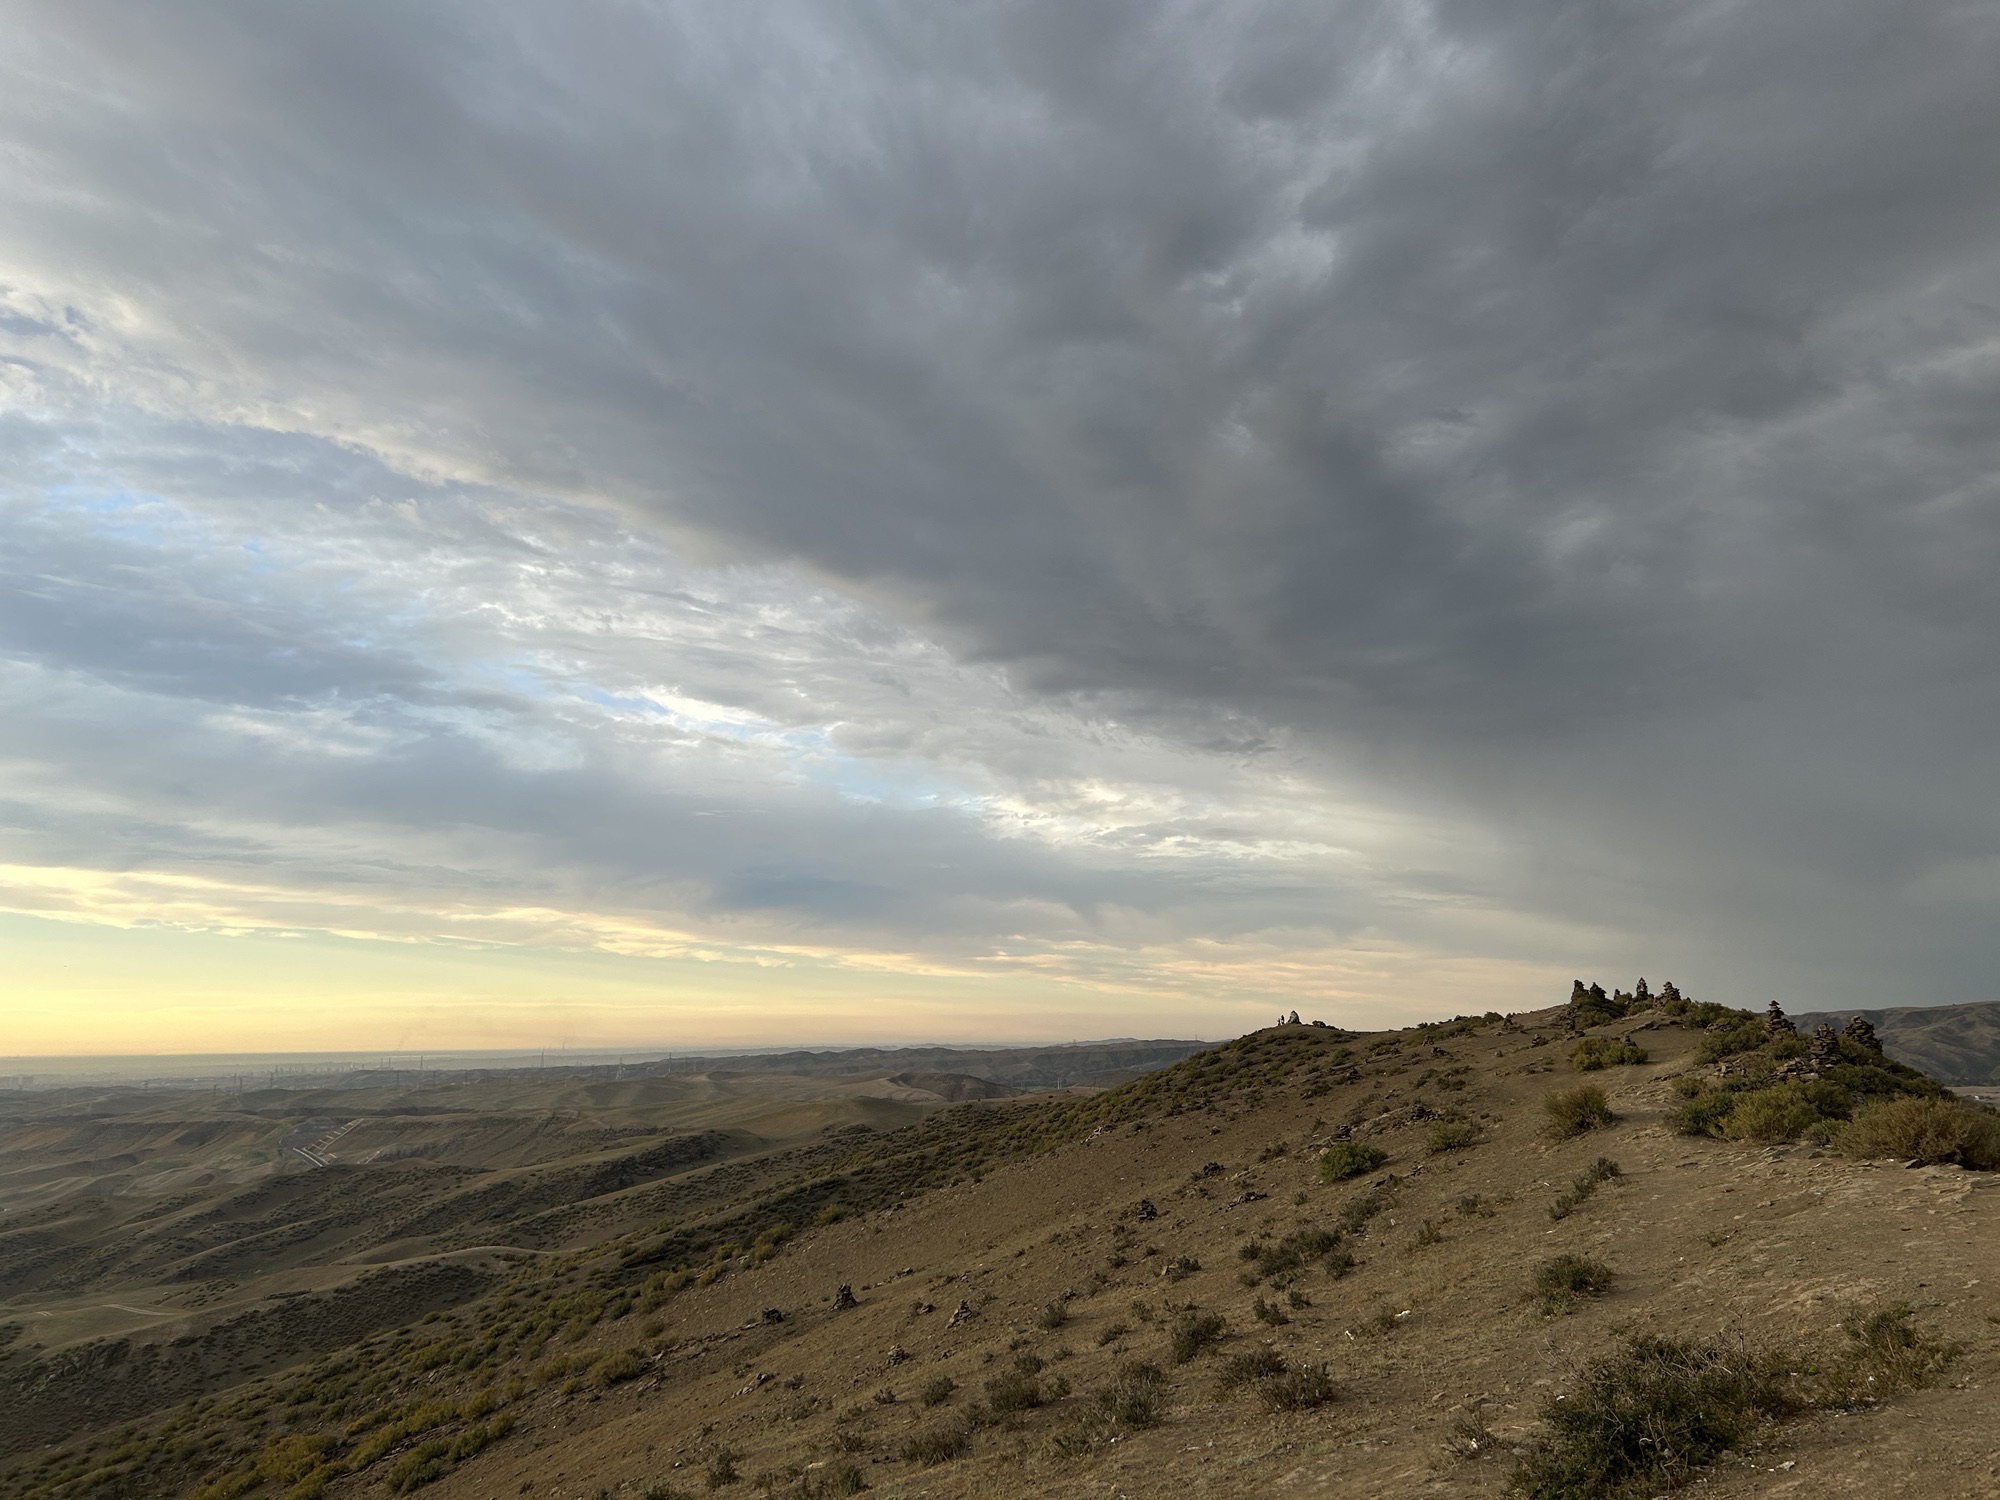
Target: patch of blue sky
(123, 515)
(807, 753)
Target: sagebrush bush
(834, 1482)
(1451, 1135)
(937, 1390)
(1345, 1159)
(1356, 1216)
(1573, 1111)
(1746, 1035)
(1768, 1116)
(1925, 1130)
(1255, 1364)
(1017, 1390)
(1052, 1317)
(1594, 1176)
(1704, 1113)
(1650, 1417)
(1192, 1333)
(1299, 1389)
(936, 1445)
(1595, 1052)
(1887, 1353)
(1278, 1258)
(1133, 1397)
(1566, 1278)
(622, 1365)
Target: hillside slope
(1957, 1044)
(1028, 1286)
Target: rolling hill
(1303, 1262)
(1958, 1044)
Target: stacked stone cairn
(1859, 1030)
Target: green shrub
(1925, 1130)
(1560, 1282)
(291, 1457)
(1649, 1417)
(1746, 1035)
(1767, 1116)
(1573, 1111)
(1345, 1159)
(622, 1365)
(1703, 1114)
(1275, 1258)
(1595, 1052)
(1192, 1333)
(1589, 1010)
(1451, 1135)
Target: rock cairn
(1860, 1030)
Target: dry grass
(1573, 1111)
(1925, 1130)
(1561, 1282)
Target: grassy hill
(1429, 1261)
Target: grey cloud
(1576, 416)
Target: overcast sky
(994, 519)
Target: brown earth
(1431, 1336)
(1708, 1238)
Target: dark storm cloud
(1581, 414)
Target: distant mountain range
(1953, 1043)
(1098, 1064)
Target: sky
(701, 524)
